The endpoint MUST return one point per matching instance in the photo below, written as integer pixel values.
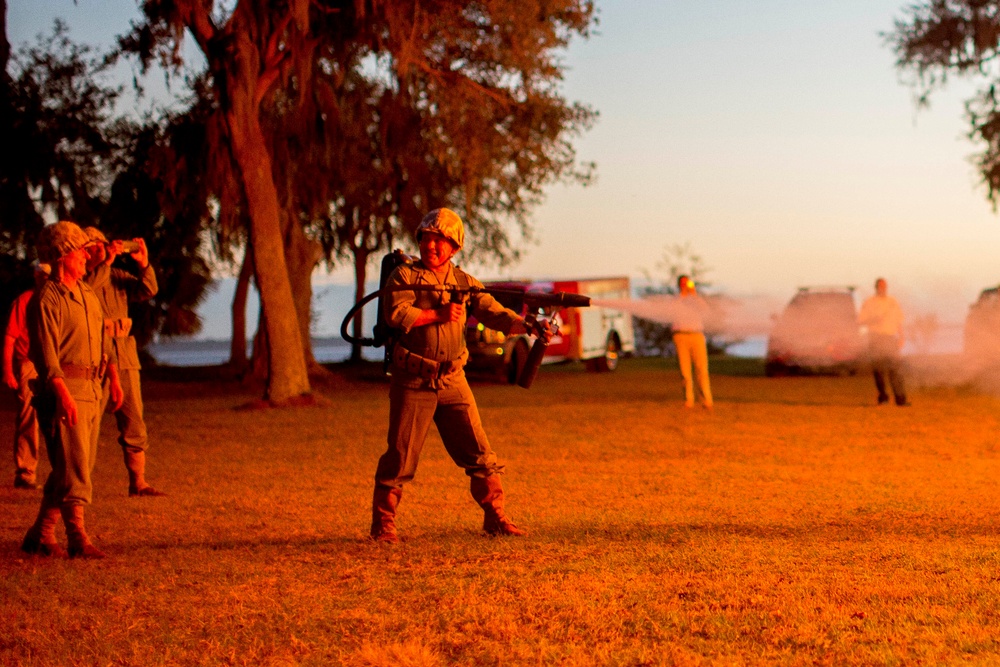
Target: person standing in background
(116, 288)
(18, 373)
(689, 340)
(884, 318)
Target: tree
(937, 39)
(476, 83)
(199, 191)
(452, 104)
(140, 204)
(60, 145)
(250, 47)
(70, 156)
(14, 272)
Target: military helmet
(446, 223)
(58, 240)
(95, 234)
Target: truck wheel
(517, 360)
(608, 362)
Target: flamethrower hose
(561, 299)
(351, 314)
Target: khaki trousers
(26, 426)
(453, 410)
(72, 451)
(887, 366)
(691, 348)
(131, 424)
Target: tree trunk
(260, 358)
(238, 343)
(287, 373)
(302, 255)
(360, 270)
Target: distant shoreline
(211, 352)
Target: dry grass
(795, 524)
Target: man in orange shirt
(18, 373)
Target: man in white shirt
(884, 318)
(689, 340)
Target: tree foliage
(69, 155)
(59, 146)
(477, 123)
(373, 112)
(62, 141)
(142, 205)
(253, 49)
(937, 39)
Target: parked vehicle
(982, 328)
(597, 336)
(818, 332)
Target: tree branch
(275, 59)
(196, 17)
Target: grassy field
(797, 523)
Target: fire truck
(596, 336)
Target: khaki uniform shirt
(882, 315)
(67, 328)
(116, 289)
(441, 342)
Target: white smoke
(935, 355)
(730, 318)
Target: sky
(774, 136)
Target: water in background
(187, 352)
(211, 346)
(332, 301)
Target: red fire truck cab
(596, 335)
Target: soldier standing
(428, 377)
(116, 288)
(69, 351)
(18, 373)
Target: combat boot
(41, 537)
(80, 545)
(488, 492)
(135, 463)
(384, 503)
